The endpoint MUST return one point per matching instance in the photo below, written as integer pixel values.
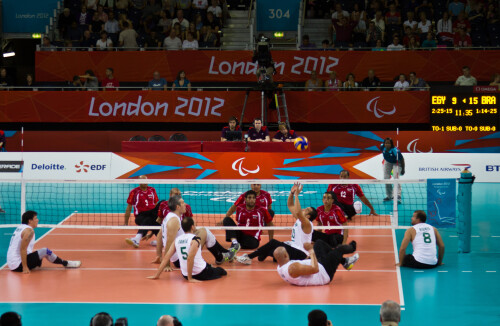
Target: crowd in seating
(390, 315)
(396, 25)
(134, 24)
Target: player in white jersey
(321, 266)
(301, 233)
(188, 248)
(20, 255)
(424, 238)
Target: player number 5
(184, 253)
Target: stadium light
(9, 54)
(279, 34)
(36, 35)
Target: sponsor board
(11, 166)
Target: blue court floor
(464, 291)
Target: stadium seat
(138, 138)
(156, 138)
(178, 137)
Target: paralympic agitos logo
(376, 111)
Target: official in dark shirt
(371, 83)
(233, 126)
(284, 135)
(258, 132)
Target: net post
(23, 196)
(464, 200)
(395, 196)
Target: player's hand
(168, 269)
(308, 246)
(294, 188)
(398, 265)
(26, 271)
(219, 223)
(157, 260)
(299, 187)
(194, 281)
(155, 277)
(372, 212)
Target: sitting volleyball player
(171, 230)
(423, 238)
(20, 255)
(315, 270)
(301, 233)
(188, 248)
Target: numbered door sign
(277, 15)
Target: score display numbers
(464, 112)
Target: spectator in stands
(466, 79)
(390, 313)
(185, 6)
(103, 16)
(425, 7)
(74, 33)
(215, 9)
(408, 35)
(192, 29)
(445, 25)
(198, 22)
(87, 42)
(152, 10)
(47, 45)
(172, 42)
(306, 45)
(333, 83)
(157, 83)
(153, 40)
(5, 80)
(359, 30)
(64, 22)
(372, 82)
(232, 126)
(395, 46)
(91, 5)
(10, 319)
(495, 81)
(318, 318)
(110, 83)
(339, 12)
(213, 22)
(350, 84)
(184, 23)
(424, 26)
(411, 22)
(104, 43)
(401, 84)
(165, 22)
(30, 83)
(2, 147)
(325, 45)
(378, 46)
(417, 84)
(199, 7)
(357, 9)
(455, 8)
(258, 133)
(283, 134)
(122, 6)
(393, 20)
(83, 18)
(190, 43)
(167, 320)
(96, 25)
(75, 84)
(128, 37)
(430, 41)
(314, 83)
(413, 44)
(343, 32)
(68, 45)
(461, 39)
(207, 37)
(380, 23)
(461, 23)
(373, 34)
(122, 20)
(181, 82)
(91, 83)
(111, 26)
(178, 32)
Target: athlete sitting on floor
(424, 238)
(315, 270)
(301, 233)
(188, 248)
(329, 214)
(20, 255)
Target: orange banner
(291, 66)
(200, 107)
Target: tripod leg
(244, 107)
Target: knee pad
(271, 212)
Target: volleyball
(301, 143)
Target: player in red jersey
(263, 199)
(330, 214)
(345, 196)
(247, 214)
(144, 200)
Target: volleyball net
(102, 204)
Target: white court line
(398, 269)
(205, 303)
(227, 269)
(491, 271)
(152, 249)
(418, 271)
(43, 236)
(442, 271)
(216, 234)
(466, 271)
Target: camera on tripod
(265, 64)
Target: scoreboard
(464, 112)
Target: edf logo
(492, 168)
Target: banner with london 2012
(441, 202)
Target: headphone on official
(103, 315)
